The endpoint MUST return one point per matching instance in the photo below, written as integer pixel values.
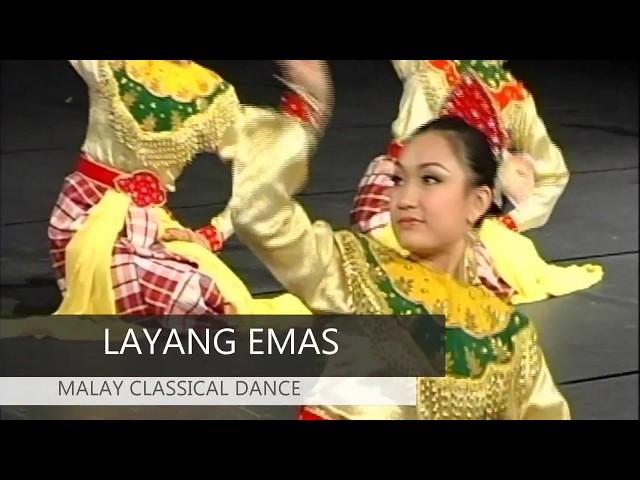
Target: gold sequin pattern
(503, 383)
(365, 295)
(486, 397)
(459, 303)
(512, 117)
(161, 150)
(530, 362)
(434, 85)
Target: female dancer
(531, 179)
(442, 189)
(116, 248)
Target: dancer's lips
(409, 221)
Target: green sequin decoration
(497, 348)
(467, 356)
(489, 71)
(160, 114)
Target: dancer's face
(433, 204)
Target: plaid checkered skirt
(147, 278)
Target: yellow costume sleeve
(551, 175)
(238, 138)
(544, 401)
(262, 139)
(256, 130)
(517, 260)
(406, 68)
(301, 255)
(87, 69)
(535, 395)
(414, 110)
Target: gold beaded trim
(201, 132)
(512, 116)
(473, 308)
(434, 85)
(530, 362)
(366, 297)
(487, 397)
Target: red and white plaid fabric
(147, 278)
(470, 101)
(486, 273)
(371, 211)
(371, 206)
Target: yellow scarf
(517, 261)
(90, 286)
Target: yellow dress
(495, 367)
(156, 115)
(426, 85)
